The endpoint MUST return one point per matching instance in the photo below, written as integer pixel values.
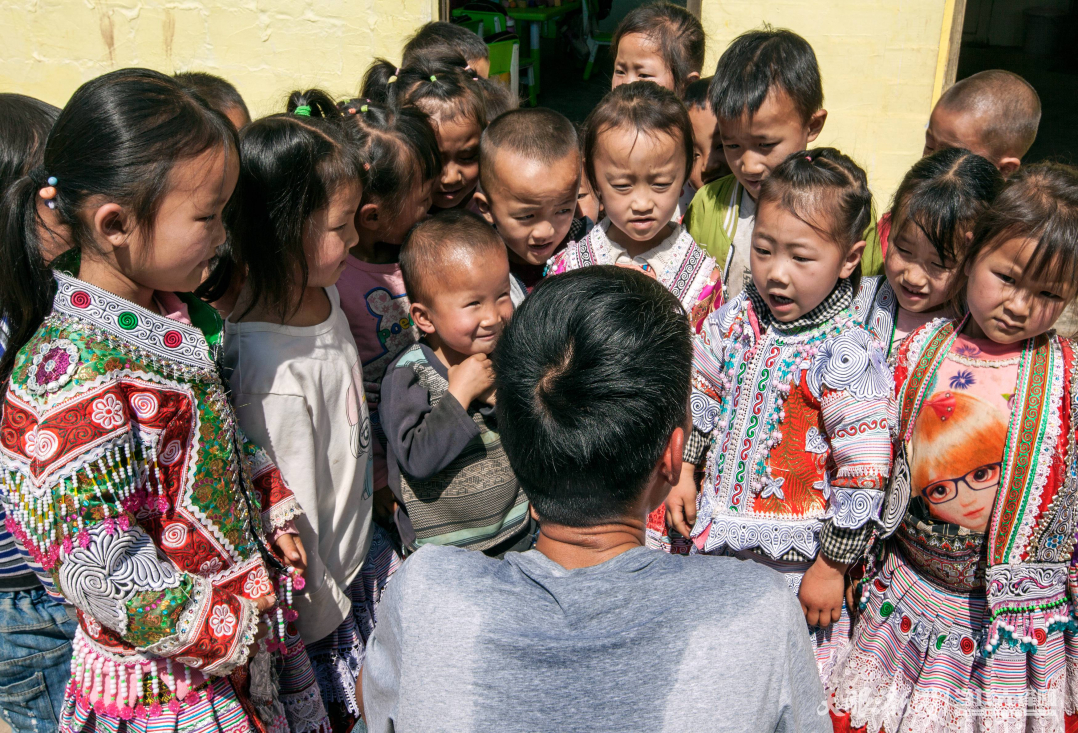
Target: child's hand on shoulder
(471, 379)
(822, 592)
(681, 502)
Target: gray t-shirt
(644, 642)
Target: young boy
(994, 114)
(218, 93)
(591, 630)
(439, 40)
(709, 161)
(447, 468)
(529, 178)
(768, 97)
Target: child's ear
(815, 124)
(691, 77)
(367, 217)
(483, 203)
(1008, 166)
(421, 317)
(852, 259)
(112, 224)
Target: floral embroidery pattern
(257, 584)
(108, 412)
(963, 379)
(222, 621)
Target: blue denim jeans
(35, 659)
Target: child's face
(639, 179)
(709, 161)
(913, 267)
(458, 142)
(755, 146)
(1008, 305)
(469, 304)
(586, 202)
(331, 232)
(531, 204)
(187, 228)
(948, 128)
(794, 266)
(640, 59)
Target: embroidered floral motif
(257, 584)
(222, 621)
(107, 412)
(962, 379)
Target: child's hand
(471, 378)
(822, 591)
(290, 547)
(681, 503)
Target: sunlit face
(965, 500)
(640, 59)
(755, 146)
(458, 143)
(187, 229)
(948, 128)
(469, 305)
(920, 279)
(709, 160)
(639, 179)
(331, 232)
(532, 203)
(794, 266)
(1006, 304)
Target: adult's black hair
(290, 167)
(1039, 202)
(592, 379)
(116, 139)
(676, 32)
(218, 93)
(533, 133)
(643, 106)
(696, 94)
(398, 148)
(760, 61)
(439, 40)
(942, 195)
(824, 188)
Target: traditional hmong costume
(876, 308)
(126, 477)
(678, 263)
(796, 417)
(971, 628)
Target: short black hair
(433, 243)
(535, 133)
(943, 195)
(760, 61)
(696, 94)
(1008, 107)
(218, 93)
(439, 39)
(676, 32)
(592, 378)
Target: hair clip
(808, 158)
(364, 109)
(433, 77)
(351, 110)
(49, 192)
(304, 110)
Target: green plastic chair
(492, 21)
(594, 38)
(472, 24)
(505, 59)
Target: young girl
(969, 623)
(459, 104)
(792, 395)
(658, 42)
(121, 465)
(400, 167)
(294, 370)
(637, 156)
(932, 217)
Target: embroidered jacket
(875, 307)
(799, 425)
(124, 473)
(1027, 562)
(690, 273)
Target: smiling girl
(971, 615)
(932, 217)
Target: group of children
(248, 369)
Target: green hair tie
(433, 77)
(363, 109)
(304, 110)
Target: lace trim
(279, 515)
(305, 711)
(772, 537)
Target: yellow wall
(879, 62)
(265, 47)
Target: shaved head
(1006, 108)
(451, 237)
(535, 133)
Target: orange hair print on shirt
(955, 457)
